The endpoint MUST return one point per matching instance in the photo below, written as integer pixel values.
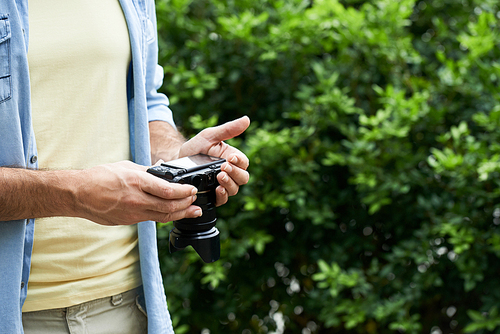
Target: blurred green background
(374, 199)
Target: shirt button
(34, 159)
(22, 285)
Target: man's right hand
(121, 193)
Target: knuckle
(221, 200)
(245, 163)
(167, 218)
(168, 207)
(246, 178)
(168, 192)
(234, 191)
(133, 181)
(132, 204)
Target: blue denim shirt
(18, 148)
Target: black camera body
(201, 171)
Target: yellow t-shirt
(79, 56)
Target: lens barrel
(201, 171)
(200, 232)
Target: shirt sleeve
(157, 103)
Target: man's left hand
(211, 141)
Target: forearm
(35, 194)
(120, 193)
(165, 141)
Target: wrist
(65, 187)
(165, 141)
(57, 193)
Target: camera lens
(205, 243)
(200, 232)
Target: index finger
(162, 188)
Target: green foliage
(374, 199)
(481, 321)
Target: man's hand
(121, 193)
(211, 141)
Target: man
(85, 104)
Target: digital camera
(201, 171)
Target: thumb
(226, 131)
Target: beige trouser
(119, 314)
